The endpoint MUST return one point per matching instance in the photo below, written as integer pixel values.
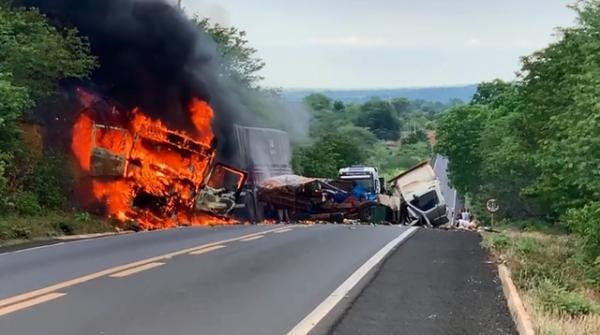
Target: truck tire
(365, 214)
(251, 209)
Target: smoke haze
(152, 56)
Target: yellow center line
(205, 250)
(136, 270)
(29, 303)
(252, 238)
(86, 278)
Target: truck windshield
(366, 183)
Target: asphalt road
(237, 280)
(438, 282)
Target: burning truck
(152, 157)
(138, 169)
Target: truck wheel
(260, 211)
(365, 213)
(250, 205)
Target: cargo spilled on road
(412, 198)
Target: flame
(143, 171)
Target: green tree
(363, 136)
(339, 106)
(34, 58)
(327, 155)
(417, 136)
(459, 133)
(37, 54)
(562, 116)
(239, 60)
(13, 102)
(318, 102)
(401, 106)
(494, 94)
(534, 143)
(379, 117)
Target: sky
(360, 44)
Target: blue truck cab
(365, 181)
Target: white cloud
(476, 42)
(473, 42)
(349, 41)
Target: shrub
(19, 232)
(51, 181)
(66, 228)
(527, 246)
(84, 217)
(500, 242)
(586, 223)
(554, 298)
(416, 137)
(25, 203)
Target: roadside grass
(20, 229)
(561, 290)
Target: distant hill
(433, 94)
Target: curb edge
(517, 309)
(91, 236)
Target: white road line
(31, 249)
(107, 272)
(84, 240)
(135, 270)
(312, 319)
(252, 238)
(283, 231)
(205, 250)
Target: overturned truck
(412, 198)
(415, 197)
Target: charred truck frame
(162, 174)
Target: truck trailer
(264, 153)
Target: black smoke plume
(151, 56)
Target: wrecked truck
(297, 198)
(412, 198)
(415, 197)
(140, 170)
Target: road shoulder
(438, 282)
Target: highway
(265, 279)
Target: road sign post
(492, 207)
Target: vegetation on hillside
(560, 288)
(534, 143)
(35, 58)
(389, 135)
